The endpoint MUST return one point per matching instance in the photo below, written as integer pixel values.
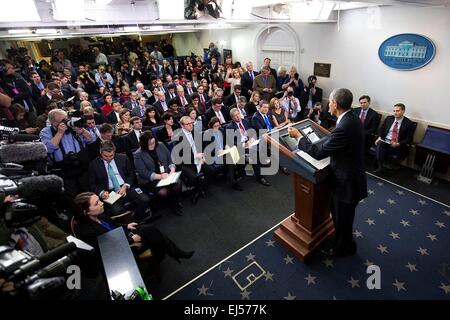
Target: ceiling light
(46, 31)
(131, 29)
(19, 31)
(153, 28)
(19, 10)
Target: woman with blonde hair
(233, 77)
(279, 115)
(124, 125)
(252, 105)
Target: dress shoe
(179, 205)
(284, 170)
(332, 253)
(378, 170)
(178, 211)
(236, 186)
(264, 182)
(151, 219)
(195, 197)
(183, 255)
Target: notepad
(113, 197)
(172, 178)
(318, 164)
(233, 151)
(253, 143)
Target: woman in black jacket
(154, 163)
(91, 223)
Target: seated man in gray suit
(139, 111)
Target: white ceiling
(111, 19)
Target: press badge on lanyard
(161, 169)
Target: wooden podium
(311, 223)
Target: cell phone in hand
(138, 190)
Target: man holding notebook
(112, 174)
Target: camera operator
(311, 94)
(87, 80)
(66, 151)
(103, 78)
(291, 105)
(17, 88)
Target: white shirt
(164, 105)
(243, 113)
(101, 59)
(183, 101)
(194, 149)
(137, 133)
(220, 117)
(117, 116)
(296, 108)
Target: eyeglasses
(188, 123)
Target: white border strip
(199, 276)
(397, 185)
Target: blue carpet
(403, 233)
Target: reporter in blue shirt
(61, 141)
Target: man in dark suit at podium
(348, 178)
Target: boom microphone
(40, 186)
(23, 137)
(23, 152)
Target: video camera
(11, 135)
(44, 276)
(74, 119)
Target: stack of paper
(233, 151)
(318, 164)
